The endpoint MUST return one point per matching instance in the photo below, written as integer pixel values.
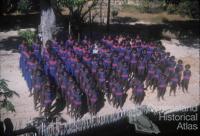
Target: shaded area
(10, 43)
(14, 22)
(57, 107)
(185, 31)
(123, 20)
(182, 30)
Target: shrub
(5, 94)
(189, 8)
(28, 35)
(114, 12)
(171, 9)
(145, 6)
(24, 6)
(184, 8)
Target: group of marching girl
(91, 69)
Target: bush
(28, 35)
(185, 8)
(171, 9)
(189, 8)
(145, 6)
(24, 6)
(114, 12)
(5, 94)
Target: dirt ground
(9, 70)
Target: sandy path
(24, 105)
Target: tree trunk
(101, 4)
(108, 17)
(48, 20)
(76, 24)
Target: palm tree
(5, 94)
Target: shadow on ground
(185, 31)
(14, 22)
(10, 43)
(123, 20)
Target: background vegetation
(5, 94)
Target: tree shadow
(10, 43)
(57, 107)
(123, 20)
(185, 31)
(13, 22)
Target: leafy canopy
(72, 3)
(6, 93)
(29, 35)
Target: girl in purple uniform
(77, 102)
(107, 63)
(124, 75)
(63, 53)
(118, 94)
(186, 78)
(25, 58)
(46, 58)
(69, 42)
(101, 78)
(156, 78)
(93, 102)
(115, 61)
(64, 83)
(162, 84)
(173, 83)
(31, 67)
(128, 58)
(133, 63)
(141, 68)
(37, 86)
(150, 74)
(52, 69)
(179, 70)
(139, 92)
(47, 97)
(94, 66)
(22, 47)
(37, 50)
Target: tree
(5, 94)
(7, 6)
(47, 19)
(78, 9)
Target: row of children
(91, 69)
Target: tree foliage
(29, 35)
(78, 7)
(10, 6)
(24, 6)
(5, 94)
(183, 7)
